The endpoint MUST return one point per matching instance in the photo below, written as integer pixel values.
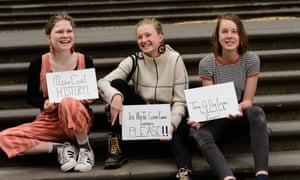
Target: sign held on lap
(211, 102)
(80, 84)
(146, 122)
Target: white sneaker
(86, 160)
(67, 157)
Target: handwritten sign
(146, 122)
(211, 102)
(80, 84)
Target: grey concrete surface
(27, 38)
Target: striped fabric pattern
(213, 68)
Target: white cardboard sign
(80, 84)
(211, 102)
(146, 122)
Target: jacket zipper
(155, 91)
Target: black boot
(115, 155)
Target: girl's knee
(255, 110)
(67, 100)
(256, 115)
(202, 137)
(69, 104)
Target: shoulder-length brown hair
(243, 45)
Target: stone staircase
(32, 14)
(188, 31)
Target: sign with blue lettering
(146, 122)
(212, 102)
(80, 84)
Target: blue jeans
(209, 137)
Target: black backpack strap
(134, 59)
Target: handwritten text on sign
(80, 84)
(145, 122)
(211, 102)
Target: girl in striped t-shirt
(231, 61)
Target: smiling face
(229, 36)
(148, 39)
(61, 36)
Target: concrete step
(187, 38)
(278, 92)
(108, 13)
(283, 165)
(283, 136)
(270, 83)
(277, 108)
(280, 107)
(271, 60)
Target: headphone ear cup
(162, 49)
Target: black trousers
(178, 145)
(211, 136)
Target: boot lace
(114, 145)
